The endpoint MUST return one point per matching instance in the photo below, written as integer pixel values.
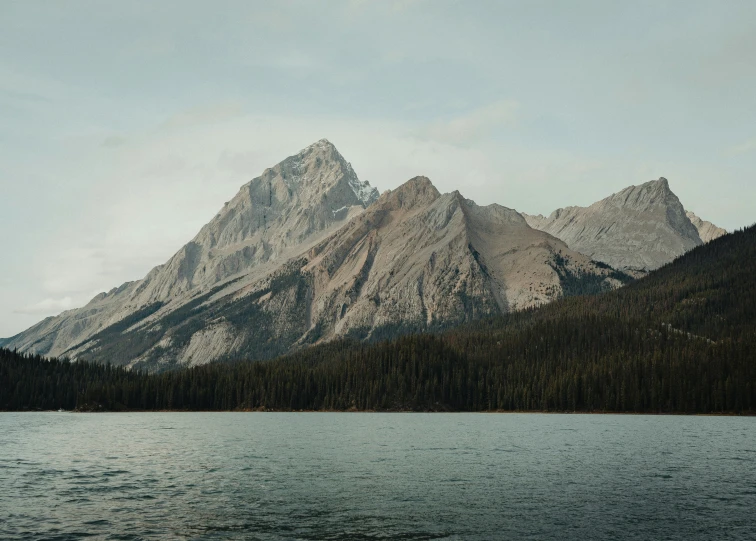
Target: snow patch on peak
(362, 189)
(340, 213)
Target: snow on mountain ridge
(362, 189)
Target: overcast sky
(125, 126)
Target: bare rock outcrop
(706, 230)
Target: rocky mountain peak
(661, 186)
(322, 143)
(643, 196)
(317, 169)
(639, 228)
(322, 166)
(323, 148)
(416, 192)
(302, 194)
(494, 213)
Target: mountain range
(307, 252)
(679, 340)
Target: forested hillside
(682, 339)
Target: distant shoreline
(532, 412)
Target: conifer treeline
(680, 340)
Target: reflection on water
(273, 476)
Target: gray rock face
(307, 253)
(706, 230)
(298, 198)
(638, 229)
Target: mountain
(681, 340)
(707, 231)
(638, 229)
(306, 253)
(417, 259)
(296, 203)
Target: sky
(125, 126)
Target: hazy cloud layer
(126, 126)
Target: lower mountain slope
(681, 340)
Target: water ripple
(375, 476)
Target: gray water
(376, 476)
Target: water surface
(273, 476)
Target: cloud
(747, 146)
(48, 306)
(476, 124)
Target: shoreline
(500, 412)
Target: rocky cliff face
(707, 231)
(306, 253)
(638, 229)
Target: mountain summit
(638, 229)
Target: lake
(273, 476)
